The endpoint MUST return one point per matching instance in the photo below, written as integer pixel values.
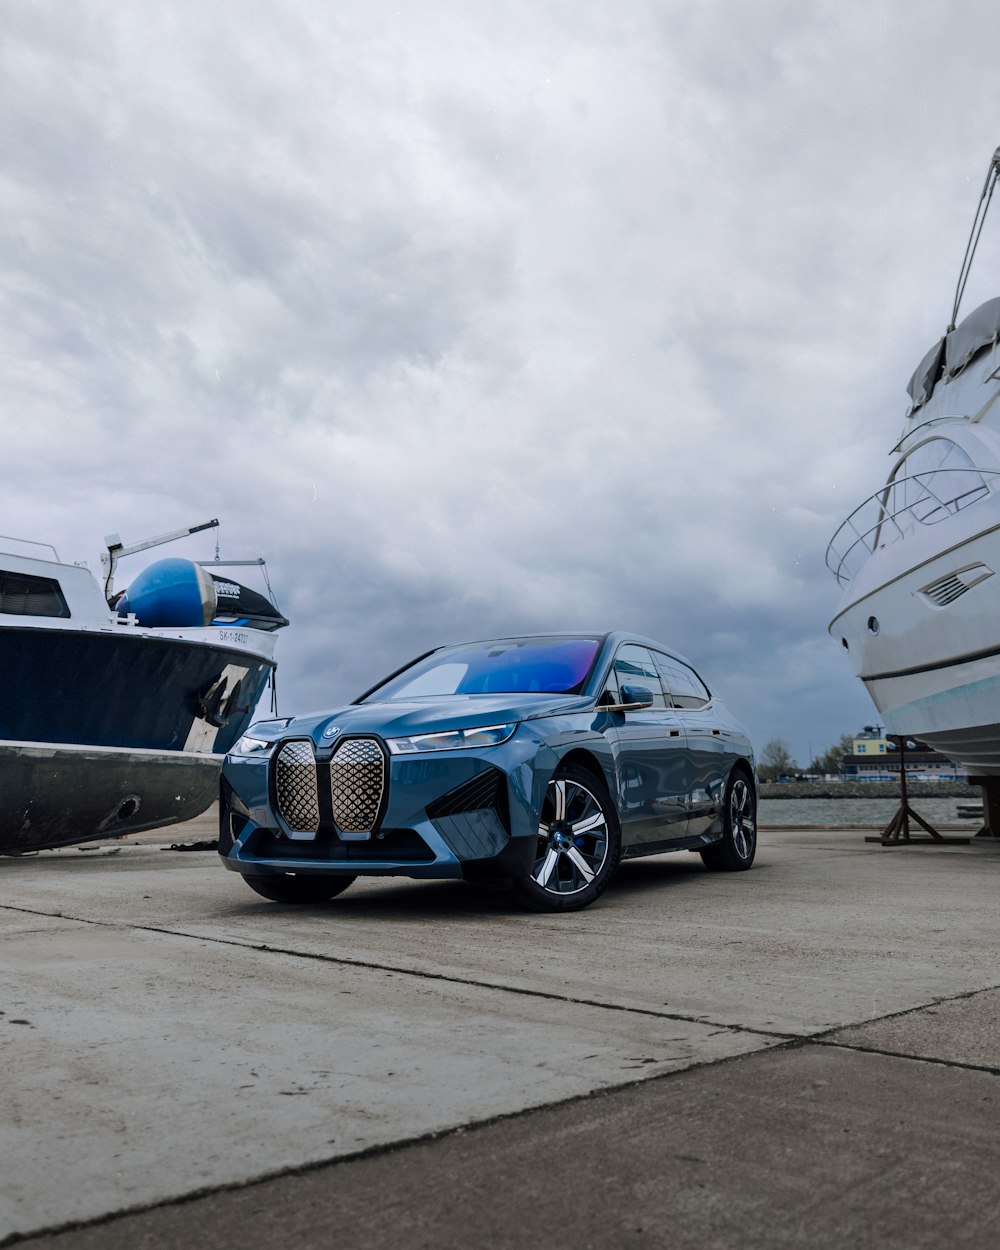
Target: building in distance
(875, 757)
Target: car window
(443, 679)
(634, 666)
(507, 666)
(684, 685)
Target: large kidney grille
(357, 783)
(295, 786)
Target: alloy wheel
(573, 838)
(742, 819)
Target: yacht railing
(898, 508)
(29, 542)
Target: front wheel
(739, 828)
(299, 887)
(579, 844)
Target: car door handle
(675, 733)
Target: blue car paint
(551, 729)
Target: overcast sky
(480, 318)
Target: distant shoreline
(868, 790)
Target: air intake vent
(357, 783)
(487, 789)
(474, 818)
(295, 787)
(947, 589)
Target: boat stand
(897, 831)
(990, 809)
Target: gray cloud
(480, 319)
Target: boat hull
(56, 795)
(111, 731)
(930, 662)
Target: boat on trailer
(117, 709)
(919, 561)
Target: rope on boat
(977, 229)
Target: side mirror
(634, 699)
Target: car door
(652, 755)
(708, 740)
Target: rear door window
(685, 687)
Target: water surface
(876, 812)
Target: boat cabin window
(25, 594)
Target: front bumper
(438, 815)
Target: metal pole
(905, 803)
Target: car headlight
(253, 743)
(250, 746)
(452, 739)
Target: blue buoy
(171, 593)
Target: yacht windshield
(930, 484)
(507, 666)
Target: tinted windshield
(512, 665)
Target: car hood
(400, 719)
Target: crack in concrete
(423, 974)
(386, 1148)
(900, 1054)
(821, 1037)
(373, 1151)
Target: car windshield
(508, 666)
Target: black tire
(736, 851)
(579, 844)
(299, 887)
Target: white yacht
(919, 562)
(117, 710)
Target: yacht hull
(924, 638)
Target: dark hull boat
(116, 719)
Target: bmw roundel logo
(331, 731)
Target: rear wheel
(299, 887)
(738, 847)
(579, 844)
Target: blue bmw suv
(541, 761)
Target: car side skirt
(636, 850)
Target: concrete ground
(804, 1055)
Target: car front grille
(295, 787)
(357, 784)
